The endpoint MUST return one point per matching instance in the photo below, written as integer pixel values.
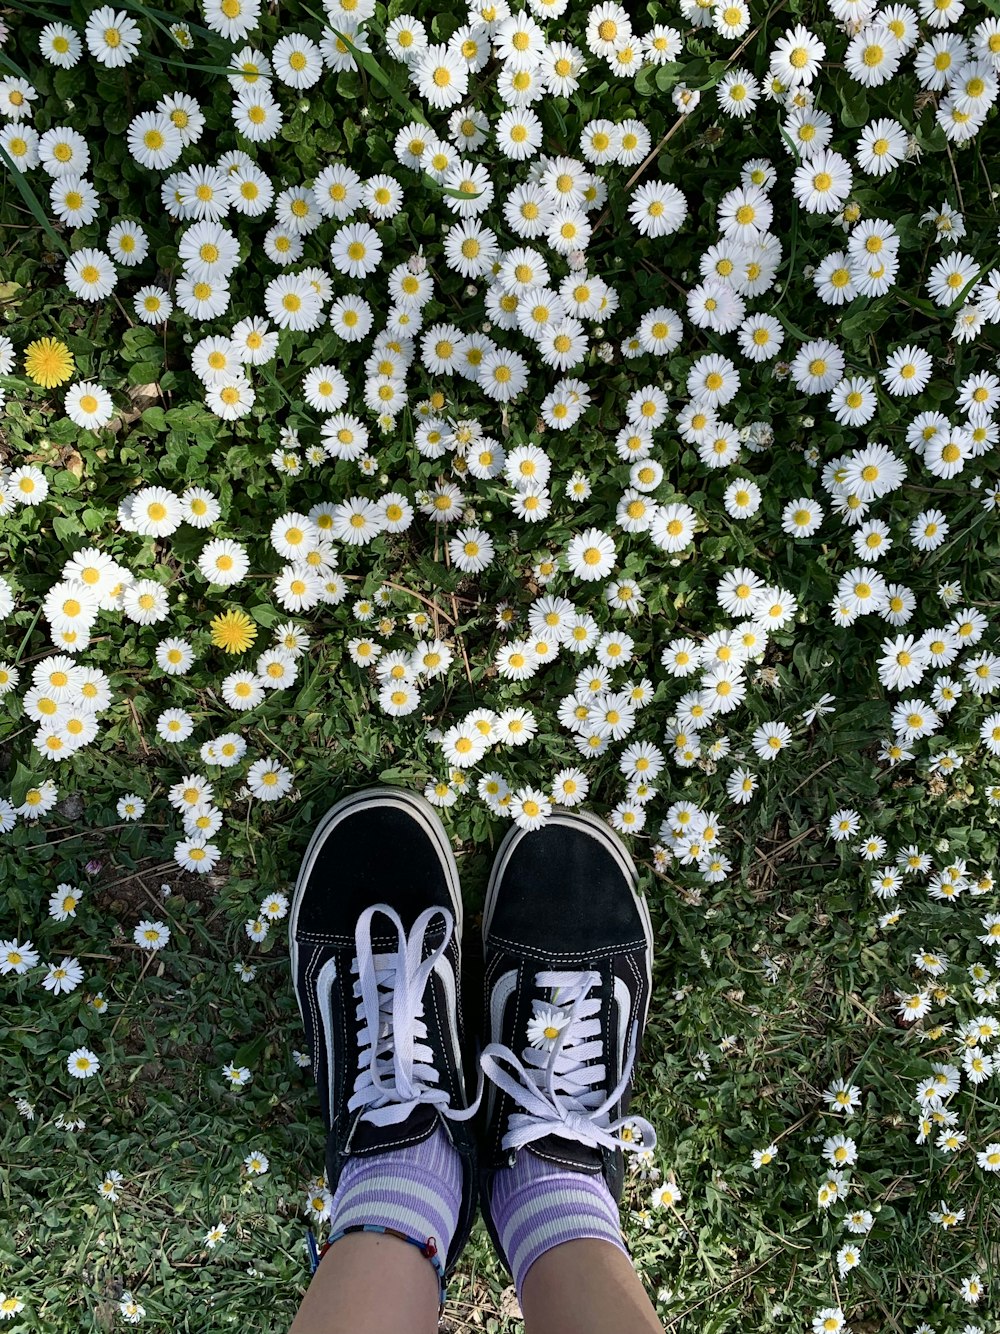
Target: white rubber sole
(604, 835)
(414, 804)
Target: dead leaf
(141, 396)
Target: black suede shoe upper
(564, 894)
(380, 856)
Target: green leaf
(864, 322)
(23, 780)
(145, 372)
(853, 104)
(66, 526)
(798, 923)
(137, 339)
(264, 614)
(248, 1053)
(155, 419)
(645, 81)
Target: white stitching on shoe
(320, 1044)
(499, 990)
(324, 988)
(500, 1116)
(552, 1157)
(640, 985)
(441, 1029)
(396, 1143)
(383, 942)
(548, 956)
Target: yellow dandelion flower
(48, 362)
(233, 631)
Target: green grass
(768, 986)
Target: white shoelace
(556, 1088)
(397, 1072)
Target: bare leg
(368, 1283)
(586, 1287)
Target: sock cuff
(417, 1190)
(571, 1185)
(536, 1206)
(390, 1179)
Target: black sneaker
(375, 929)
(568, 948)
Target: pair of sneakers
(375, 936)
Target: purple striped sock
(536, 1205)
(417, 1189)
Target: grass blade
(31, 199)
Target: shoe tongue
(567, 1153)
(368, 1138)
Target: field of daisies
(528, 405)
